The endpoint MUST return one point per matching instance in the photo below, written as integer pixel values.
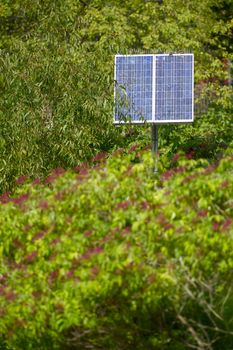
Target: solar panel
(133, 89)
(154, 88)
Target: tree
(57, 71)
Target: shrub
(112, 257)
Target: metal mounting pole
(154, 137)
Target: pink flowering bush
(113, 257)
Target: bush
(113, 257)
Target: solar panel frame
(155, 99)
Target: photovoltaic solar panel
(133, 89)
(154, 88)
(173, 87)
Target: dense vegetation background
(57, 74)
(108, 256)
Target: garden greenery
(57, 75)
(110, 257)
(97, 252)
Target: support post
(155, 154)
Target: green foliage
(57, 72)
(57, 104)
(111, 257)
(53, 117)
